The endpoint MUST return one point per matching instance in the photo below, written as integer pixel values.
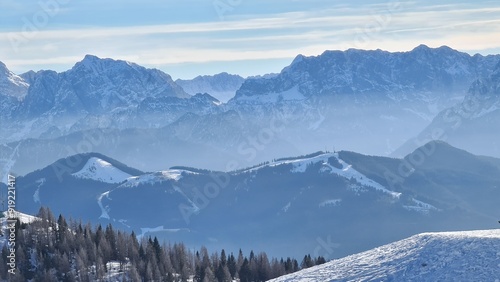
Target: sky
(186, 38)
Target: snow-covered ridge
(134, 181)
(300, 165)
(12, 84)
(155, 177)
(100, 170)
(447, 256)
(420, 206)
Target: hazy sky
(189, 37)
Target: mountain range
(336, 100)
(322, 203)
(222, 86)
(470, 124)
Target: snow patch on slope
(36, 195)
(292, 94)
(155, 177)
(486, 111)
(160, 228)
(447, 256)
(300, 165)
(104, 209)
(100, 170)
(420, 207)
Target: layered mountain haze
(470, 124)
(330, 96)
(223, 86)
(336, 100)
(335, 196)
(249, 141)
(102, 89)
(376, 72)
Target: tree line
(51, 249)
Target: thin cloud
(282, 35)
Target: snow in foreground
(447, 256)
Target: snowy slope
(155, 177)
(448, 256)
(12, 84)
(100, 170)
(347, 171)
(4, 232)
(24, 218)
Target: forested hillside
(50, 249)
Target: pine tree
(133, 248)
(81, 266)
(110, 236)
(121, 249)
(100, 268)
(307, 262)
(209, 276)
(277, 268)
(263, 267)
(319, 260)
(149, 272)
(245, 273)
(76, 252)
(231, 264)
(133, 274)
(170, 277)
(295, 265)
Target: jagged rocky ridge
(470, 124)
(335, 100)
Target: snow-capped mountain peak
(12, 84)
(353, 71)
(90, 60)
(99, 65)
(101, 170)
(104, 76)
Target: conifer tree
(245, 272)
(232, 266)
